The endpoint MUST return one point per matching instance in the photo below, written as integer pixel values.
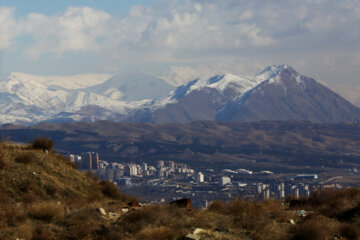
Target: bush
(160, 233)
(350, 231)
(67, 161)
(13, 215)
(41, 233)
(45, 211)
(110, 190)
(92, 176)
(27, 185)
(50, 189)
(42, 143)
(216, 207)
(82, 223)
(25, 158)
(315, 227)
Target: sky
(319, 38)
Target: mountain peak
(273, 71)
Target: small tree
(45, 144)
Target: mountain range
(276, 93)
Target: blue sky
(320, 38)
(50, 7)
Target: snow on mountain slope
(278, 92)
(287, 95)
(178, 76)
(238, 84)
(133, 86)
(29, 98)
(67, 82)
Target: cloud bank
(304, 33)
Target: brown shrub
(50, 189)
(110, 190)
(25, 158)
(259, 220)
(91, 175)
(29, 197)
(179, 220)
(114, 235)
(2, 162)
(159, 233)
(65, 160)
(14, 215)
(45, 211)
(275, 210)
(350, 231)
(332, 202)
(216, 207)
(134, 221)
(4, 197)
(82, 223)
(42, 143)
(315, 227)
(27, 185)
(41, 233)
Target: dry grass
(25, 158)
(159, 233)
(350, 231)
(82, 223)
(40, 232)
(45, 211)
(31, 190)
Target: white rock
(102, 211)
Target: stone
(102, 211)
(199, 231)
(191, 236)
(113, 216)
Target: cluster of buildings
(122, 173)
(169, 179)
(281, 190)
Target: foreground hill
(43, 197)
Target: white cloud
(77, 29)
(9, 28)
(180, 31)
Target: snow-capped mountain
(196, 100)
(276, 93)
(180, 75)
(29, 98)
(286, 95)
(132, 86)
(67, 82)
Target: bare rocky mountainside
(268, 144)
